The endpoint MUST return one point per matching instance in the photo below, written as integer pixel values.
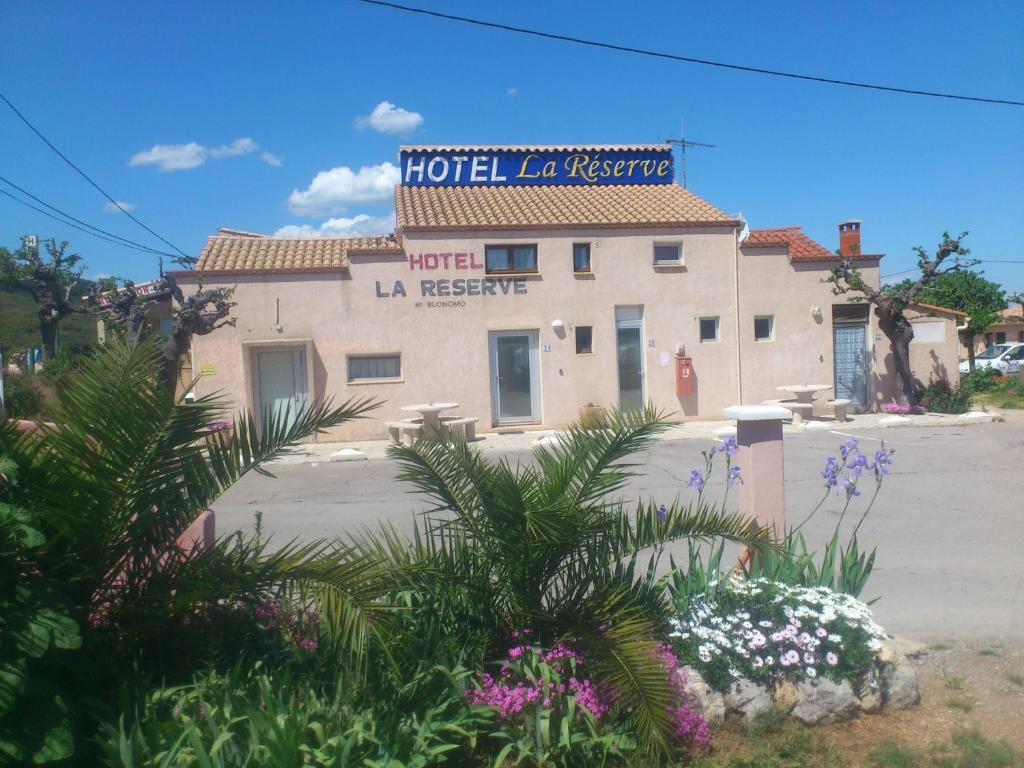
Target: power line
(187, 259)
(73, 226)
(125, 240)
(687, 59)
(978, 261)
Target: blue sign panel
(518, 167)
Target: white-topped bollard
(759, 457)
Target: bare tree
(890, 306)
(49, 282)
(195, 315)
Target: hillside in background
(19, 327)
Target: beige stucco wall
(445, 353)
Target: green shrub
(980, 380)
(22, 397)
(940, 397)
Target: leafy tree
(546, 546)
(890, 305)
(49, 282)
(968, 292)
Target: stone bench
(399, 429)
(839, 408)
(463, 428)
(801, 411)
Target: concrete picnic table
(804, 398)
(430, 413)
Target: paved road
(949, 524)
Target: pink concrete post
(200, 534)
(759, 457)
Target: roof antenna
(682, 142)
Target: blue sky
(259, 98)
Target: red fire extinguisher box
(684, 376)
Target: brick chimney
(849, 238)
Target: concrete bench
(801, 411)
(399, 429)
(463, 428)
(839, 408)
(784, 403)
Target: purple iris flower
(848, 447)
(831, 472)
(858, 463)
(850, 486)
(662, 511)
(882, 462)
(729, 446)
(697, 480)
(734, 476)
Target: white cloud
(387, 118)
(512, 91)
(179, 157)
(234, 149)
(332, 191)
(111, 208)
(360, 224)
(172, 157)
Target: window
(581, 257)
(510, 258)
(1000, 337)
(1020, 336)
(666, 254)
(764, 328)
(988, 339)
(362, 367)
(1017, 354)
(584, 339)
(708, 329)
(850, 313)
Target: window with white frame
(764, 328)
(372, 367)
(668, 254)
(708, 329)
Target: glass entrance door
(630, 351)
(515, 389)
(849, 345)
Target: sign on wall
(519, 167)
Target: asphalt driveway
(949, 523)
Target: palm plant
(123, 471)
(545, 545)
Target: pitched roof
(551, 207)
(250, 253)
(799, 246)
(936, 309)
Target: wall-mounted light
(556, 324)
(816, 313)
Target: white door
(281, 382)
(515, 377)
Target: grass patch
(961, 703)
(939, 647)
(892, 754)
(979, 751)
(1015, 678)
(988, 652)
(953, 682)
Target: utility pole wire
(184, 258)
(125, 240)
(688, 59)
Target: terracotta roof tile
(249, 252)
(547, 207)
(798, 245)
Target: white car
(1004, 358)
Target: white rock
(974, 417)
(895, 421)
(724, 432)
(785, 696)
(818, 426)
(348, 454)
(748, 698)
(824, 701)
(709, 701)
(550, 441)
(871, 694)
(895, 649)
(901, 691)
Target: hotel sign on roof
(531, 166)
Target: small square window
(584, 339)
(581, 257)
(1000, 337)
(708, 329)
(362, 367)
(668, 254)
(764, 328)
